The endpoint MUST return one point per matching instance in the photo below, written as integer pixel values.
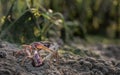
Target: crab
(32, 52)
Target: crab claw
(37, 60)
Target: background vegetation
(25, 21)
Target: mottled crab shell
(37, 45)
(53, 46)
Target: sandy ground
(107, 62)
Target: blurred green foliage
(24, 21)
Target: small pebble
(2, 55)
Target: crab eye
(47, 45)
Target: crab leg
(30, 57)
(37, 59)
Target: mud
(68, 64)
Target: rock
(5, 72)
(87, 73)
(2, 55)
(112, 51)
(90, 59)
(118, 64)
(117, 72)
(97, 72)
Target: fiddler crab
(32, 52)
